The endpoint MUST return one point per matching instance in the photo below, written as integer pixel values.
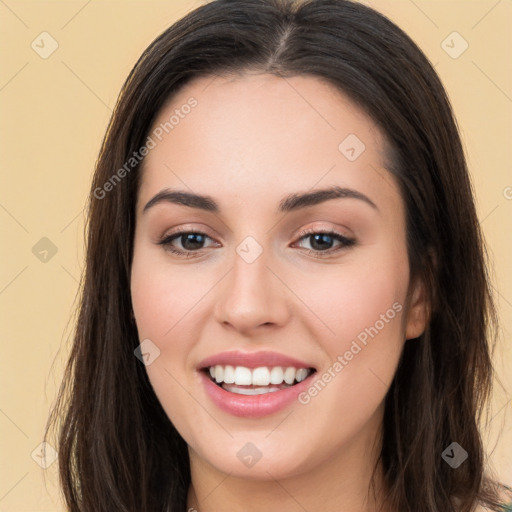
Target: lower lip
(253, 406)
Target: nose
(252, 296)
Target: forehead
(256, 105)
(256, 133)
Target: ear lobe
(418, 311)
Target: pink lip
(252, 360)
(253, 406)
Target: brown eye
(187, 241)
(323, 241)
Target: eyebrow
(290, 203)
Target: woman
(285, 303)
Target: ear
(418, 310)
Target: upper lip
(252, 360)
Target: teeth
(219, 373)
(229, 374)
(289, 375)
(301, 374)
(253, 391)
(261, 376)
(243, 376)
(276, 375)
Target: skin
(252, 140)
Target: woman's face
(253, 291)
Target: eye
(190, 242)
(321, 242)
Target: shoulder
(505, 497)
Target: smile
(256, 381)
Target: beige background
(53, 115)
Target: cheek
(171, 305)
(163, 294)
(354, 298)
(362, 314)
(163, 299)
(363, 355)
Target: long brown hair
(118, 451)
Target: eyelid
(323, 229)
(186, 229)
(345, 242)
(306, 231)
(181, 230)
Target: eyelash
(345, 242)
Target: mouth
(242, 380)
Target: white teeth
(261, 376)
(243, 376)
(252, 391)
(301, 374)
(229, 374)
(289, 375)
(219, 373)
(276, 375)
